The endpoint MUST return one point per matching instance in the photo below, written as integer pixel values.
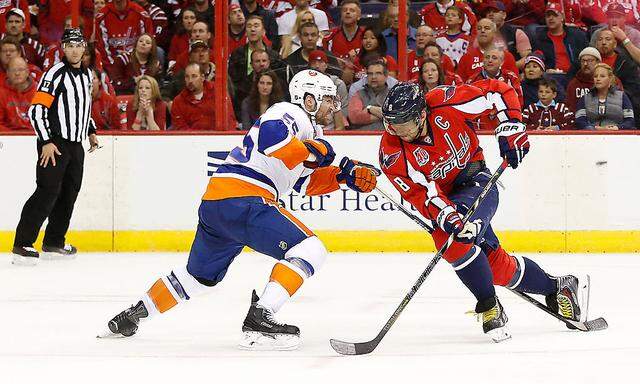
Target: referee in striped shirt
(60, 113)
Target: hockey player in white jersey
(283, 150)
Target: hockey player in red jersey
(433, 158)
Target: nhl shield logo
(421, 155)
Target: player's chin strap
(346, 348)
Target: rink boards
(141, 193)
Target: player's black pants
(54, 198)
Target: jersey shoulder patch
(390, 152)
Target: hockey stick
(346, 348)
(598, 324)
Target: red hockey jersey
(117, 31)
(337, 42)
(51, 16)
(7, 5)
(424, 171)
(433, 16)
(473, 61)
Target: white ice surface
(50, 315)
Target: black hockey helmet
(404, 102)
(72, 35)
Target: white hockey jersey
(269, 163)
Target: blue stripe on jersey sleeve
(270, 133)
(298, 185)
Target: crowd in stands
(575, 64)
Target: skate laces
(271, 318)
(491, 314)
(565, 307)
(486, 316)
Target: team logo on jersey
(283, 245)
(449, 91)
(421, 155)
(387, 161)
(458, 157)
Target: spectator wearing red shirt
(432, 75)
(51, 15)
(598, 11)
(194, 109)
(10, 48)
(433, 51)
(526, 13)
(559, 44)
(433, 16)
(627, 36)
(492, 69)
(15, 97)
(7, 5)
(471, 63)
(180, 40)
(147, 111)
(345, 40)
(104, 107)
(199, 32)
(54, 53)
(91, 59)
(32, 50)
(160, 22)
(130, 66)
(424, 36)
(118, 26)
(237, 24)
(373, 46)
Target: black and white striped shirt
(62, 104)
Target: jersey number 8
(401, 184)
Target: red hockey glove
(322, 150)
(513, 142)
(361, 177)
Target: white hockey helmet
(310, 82)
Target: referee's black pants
(54, 198)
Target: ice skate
(126, 322)
(572, 299)
(494, 320)
(67, 252)
(261, 332)
(25, 256)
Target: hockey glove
(361, 177)
(513, 142)
(323, 152)
(452, 224)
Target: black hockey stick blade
(346, 348)
(598, 324)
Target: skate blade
(109, 335)
(24, 261)
(499, 335)
(256, 341)
(584, 286)
(53, 256)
